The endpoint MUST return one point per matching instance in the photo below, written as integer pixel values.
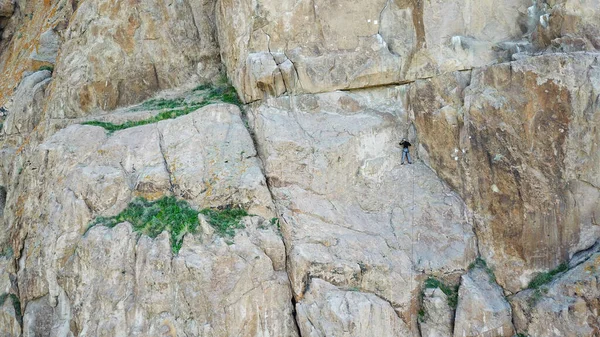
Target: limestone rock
(569, 25)
(6, 8)
(351, 214)
(24, 112)
(437, 317)
(482, 309)
(568, 306)
(116, 54)
(211, 289)
(48, 47)
(520, 150)
(70, 283)
(387, 42)
(9, 321)
(329, 311)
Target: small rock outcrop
(482, 308)
(568, 306)
(436, 316)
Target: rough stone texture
(119, 53)
(387, 42)
(6, 8)
(48, 48)
(72, 283)
(569, 25)
(9, 324)
(482, 309)
(438, 316)
(329, 311)
(522, 151)
(24, 110)
(352, 215)
(569, 306)
(26, 33)
(210, 288)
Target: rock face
(500, 100)
(120, 53)
(352, 215)
(525, 160)
(309, 47)
(569, 306)
(482, 309)
(70, 282)
(23, 113)
(328, 311)
(437, 318)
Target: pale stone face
(344, 45)
(500, 100)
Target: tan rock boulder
(351, 214)
(482, 309)
(329, 311)
(568, 306)
(213, 288)
(6, 8)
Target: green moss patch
(169, 114)
(479, 262)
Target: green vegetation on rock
(175, 216)
(154, 217)
(544, 278)
(226, 220)
(479, 262)
(451, 292)
(174, 113)
(176, 107)
(49, 68)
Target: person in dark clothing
(405, 154)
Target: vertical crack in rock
(165, 162)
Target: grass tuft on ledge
(547, 277)
(225, 221)
(451, 292)
(176, 107)
(175, 216)
(154, 217)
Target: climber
(405, 144)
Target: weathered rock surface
(312, 44)
(521, 149)
(569, 25)
(482, 309)
(72, 283)
(329, 311)
(437, 319)
(24, 110)
(568, 306)
(352, 215)
(119, 53)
